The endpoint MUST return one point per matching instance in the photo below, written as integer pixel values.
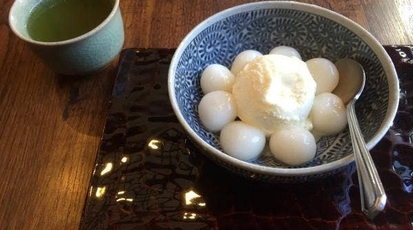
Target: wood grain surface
(50, 125)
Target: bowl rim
(12, 20)
(363, 34)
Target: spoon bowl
(352, 80)
(350, 87)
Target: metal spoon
(349, 89)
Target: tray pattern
(149, 175)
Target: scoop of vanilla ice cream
(273, 91)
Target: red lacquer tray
(149, 175)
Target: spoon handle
(372, 194)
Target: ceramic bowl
(85, 54)
(315, 32)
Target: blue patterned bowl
(314, 32)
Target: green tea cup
(72, 37)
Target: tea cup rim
(28, 39)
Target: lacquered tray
(149, 175)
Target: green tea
(58, 20)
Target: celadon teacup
(82, 55)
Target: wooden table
(50, 126)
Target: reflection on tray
(149, 175)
